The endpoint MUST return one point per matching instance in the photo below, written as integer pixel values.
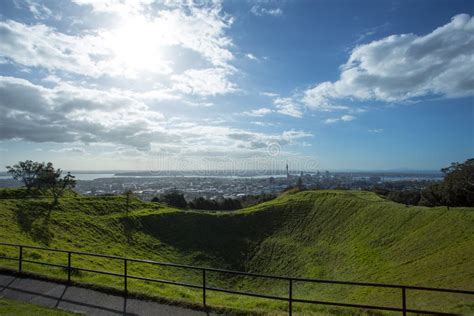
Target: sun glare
(136, 47)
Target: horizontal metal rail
(290, 299)
(271, 297)
(99, 272)
(165, 282)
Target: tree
(128, 196)
(231, 204)
(201, 203)
(407, 197)
(432, 195)
(458, 184)
(50, 180)
(299, 183)
(27, 172)
(175, 198)
(380, 190)
(226, 204)
(457, 188)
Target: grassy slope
(18, 308)
(325, 234)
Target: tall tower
(287, 172)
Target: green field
(341, 235)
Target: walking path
(87, 301)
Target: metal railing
(290, 299)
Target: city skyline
(329, 85)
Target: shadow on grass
(33, 218)
(229, 239)
(128, 228)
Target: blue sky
(208, 85)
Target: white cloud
(295, 134)
(287, 106)
(41, 46)
(403, 67)
(40, 11)
(122, 8)
(347, 118)
(258, 112)
(111, 53)
(269, 94)
(344, 118)
(259, 123)
(72, 150)
(376, 130)
(204, 82)
(198, 104)
(259, 11)
(140, 45)
(370, 32)
(156, 94)
(168, 54)
(67, 113)
(202, 30)
(230, 140)
(331, 120)
(76, 115)
(251, 57)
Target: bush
(175, 198)
(17, 193)
(226, 204)
(405, 197)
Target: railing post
(125, 276)
(20, 258)
(404, 301)
(290, 297)
(69, 267)
(204, 287)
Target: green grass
(341, 235)
(16, 308)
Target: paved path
(89, 302)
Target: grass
(17, 308)
(342, 235)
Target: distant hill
(341, 235)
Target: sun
(136, 48)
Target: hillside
(340, 235)
(18, 308)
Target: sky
(320, 85)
